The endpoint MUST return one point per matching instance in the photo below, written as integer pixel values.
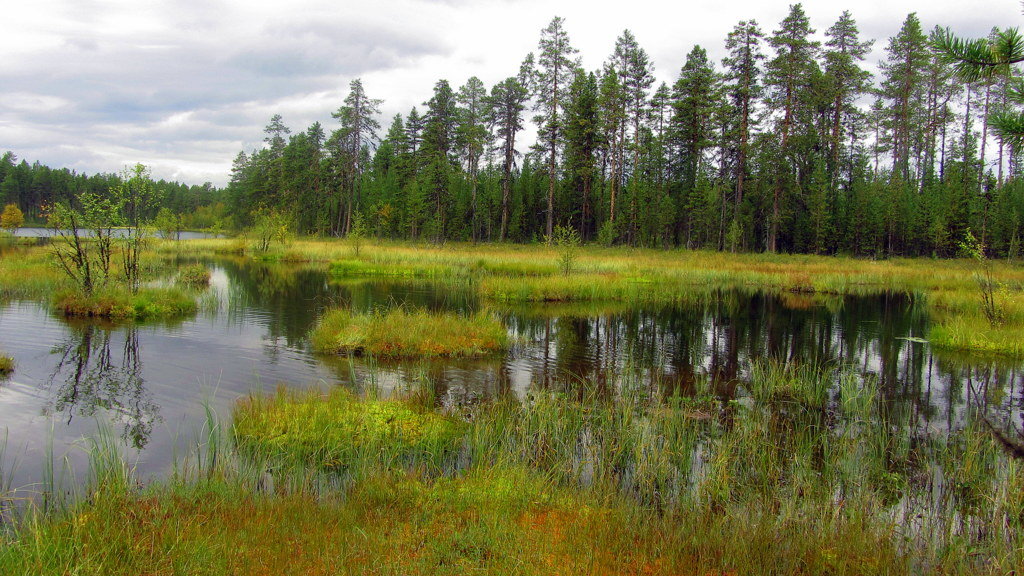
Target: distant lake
(50, 232)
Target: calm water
(148, 383)
(31, 232)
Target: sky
(183, 86)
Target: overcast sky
(183, 86)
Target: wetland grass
(337, 430)
(29, 274)
(550, 483)
(115, 304)
(193, 276)
(401, 333)
(509, 274)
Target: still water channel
(150, 384)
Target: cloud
(185, 85)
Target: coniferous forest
(788, 144)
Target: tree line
(36, 189)
(788, 144)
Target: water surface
(148, 383)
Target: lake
(149, 384)
(34, 232)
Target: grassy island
(401, 333)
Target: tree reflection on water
(92, 381)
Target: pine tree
(581, 141)
(845, 80)
(788, 79)
(555, 66)
(901, 86)
(472, 138)
(359, 127)
(695, 102)
(505, 112)
(744, 90)
(636, 76)
(439, 141)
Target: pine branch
(981, 58)
(1008, 124)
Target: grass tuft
(400, 333)
(338, 431)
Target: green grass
(114, 304)
(6, 365)
(338, 431)
(193, 276)
(401, 333)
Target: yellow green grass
(518, 273)
(339, 431)
(148, 303)
(6, 365)
(402, 333)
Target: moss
(400, 333)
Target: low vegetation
(194, 276)
(122, 305)
(402, 333)
(811, 473)
(338, 431)
(29, 274)
(6, 365)
(507, 274)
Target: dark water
(149, 384)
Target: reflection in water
(252, 334)
(89, 378)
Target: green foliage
(990, 288)
(566, 240)
(356, 235)
(607, 234)
(167, 224)
(269, 227)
